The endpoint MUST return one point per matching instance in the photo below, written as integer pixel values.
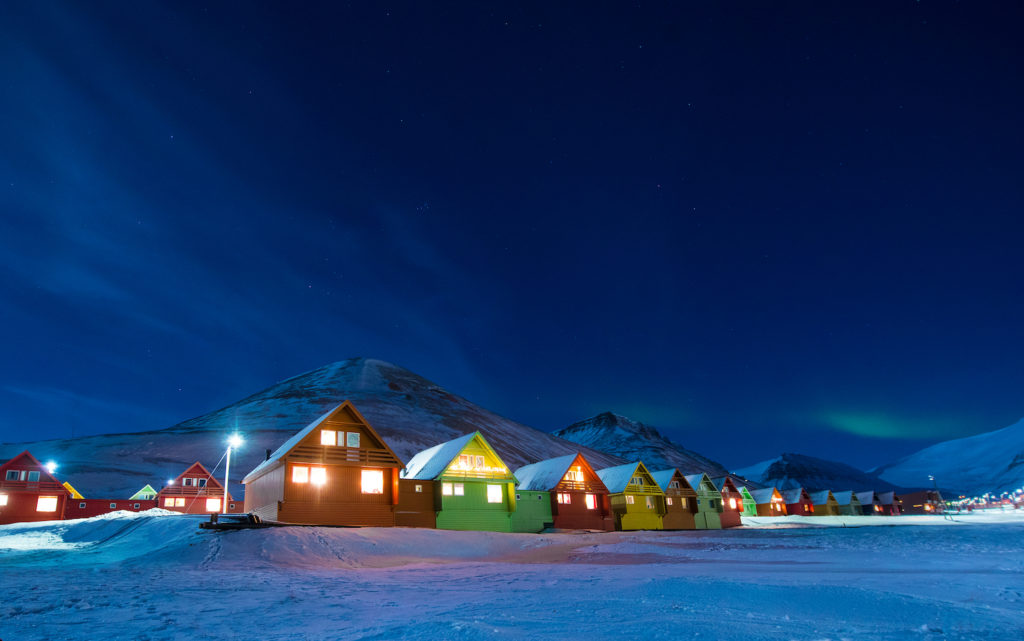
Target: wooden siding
(23, 495)
(340, 500)
(576, 516)
(472, 511)
(709, 507)
(416, 509)
(264, 494)
(533, 511)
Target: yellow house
(638, 503)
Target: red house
(579, 500)
(84, 508)
(798, 501)
(732, 501)
(195, 491)
(29, 491)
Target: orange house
(196, 491)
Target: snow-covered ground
(156, 576)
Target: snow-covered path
(158, 577)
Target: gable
(631, 477)
(191, 477)
(476, 459)
(28, 468)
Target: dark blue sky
(758, 230)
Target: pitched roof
(720, 482)
(764, 495)
(664, 477)
(886, 498)
(866, 498)
(145, 491)
(695, 479)
(33, 462)
(820, 498)
(793, 496)
(75, 494)
(544, 475)
(844, 497)
(617, 478)
(432, 462)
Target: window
(479, 461)
(650, 502)
(33, 476)
(629, 499)
(179, 502)
(460, 489)
(373, 481)
(419, 489)
(518, 497)
(465, 461)
(732, 503)
(637, 480)
(668, 500)
(674, 485)
(12, 475)
(352, 439)
(188, 481)
(575, 473)
(318, 475)
(446, 489)
(168, 502)
(300, 474)
(494, 494)
(46, 504)
(202, 482)
(232, 505)
(213, 505)
(328, 437)
(591, 501)
(3, 500)
(136, 506)
(564, 498)
(540, 497)
(113, 506)
(81, 506)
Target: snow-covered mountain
(409, 411)
(635, 441)
(797, 470)
(989, 462)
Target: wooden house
(922, 502)
(749, 504)
(869, 505)
(81, 508)
(636, 500)
(798, 501)
(72, 492)
(680, 500)
(195, 491)
(848, 503)
(30, 492)
(769, 502)
(473, 488)
(824, 503)
(418, 503)
(709, 502)
(147, 493)
(335, 471)
(732, 501)
(890, 504)
(564, 493)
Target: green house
(709, 502)
(473, 488)
(637, 501)
(749, 504)
(145, 494)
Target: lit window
(446, 489)
(352, 439)
(460, 489)
(575, 474)
(668, 500)
(213, 505)
(318, 475)
(113, 506)
(494, 494)
(81, 506)
(629, 499)
(12, 475)
(373, 481)
(465, 461)
(300, 474)
(46, 504)
(732, 503)
(168, 502)
(419, 488)
(328, 437)
(3, 499)
(480, 461)
(564, 498)
(33, 477)
(591, 501)
(179, 502)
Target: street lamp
(51, 467)
(234, 442)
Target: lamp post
(234, 441)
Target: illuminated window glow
(575, 474)
(300, 474)
(169, 502)
(419, 488)
(446, 489)
(318, 475)
(460, 489)
(629, 499)
(3, 499)
(213, 505)
(46, 504)
(494, 494)
(732, 503)
(564, 498)
(328, 437)
(668, 500)
(591, 501)
(179, 502)
(373, 481)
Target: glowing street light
(51, 467)
(234, 442)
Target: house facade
(196, 491)
(636, 499)
(565, 493)
(680, 500)
(709, 502)
(30, 492)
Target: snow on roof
(695, 480)
(616, 478)
(664, 477)
(819, 498)
(544, 475)
(432, 462)
(843, 498)
(886, 498)
(290, 443)
(719, 482)
(792, 496)
(764, 495)
(866, 498)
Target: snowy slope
(409, 411)
(634, 441)
(989, 462)
(791, 471)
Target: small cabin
(473, 488)
(825, 503)
(798, 501)
(564, 493)
(848, 503)
(147, 493)
(732, 501)
(749, 504)
(890, 504)
(709, 502)
(680, 500)
(335, 471)
(30, 492)
(869, 505)
(637, 501)
(196, 491)
(922, 502)
(769, 502)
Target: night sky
(759, 230)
